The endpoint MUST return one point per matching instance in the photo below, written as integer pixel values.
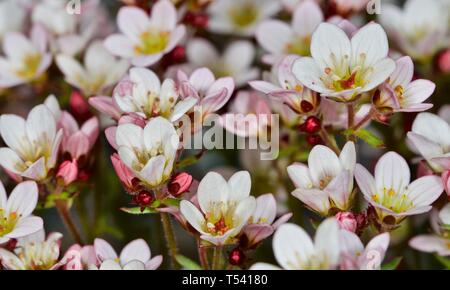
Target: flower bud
(179, 184)
(446, 181)
(68, 171)
(312, 125)
(444, 61)
(236, 257)
(347, 221)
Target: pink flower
(212, 94)
(446, 181)
(400, 94)
(249, 115)
(347, 221)
(444, 61)
(79, 258)
(146, 39)
(286, 88)
(180, 183)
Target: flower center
(300, 46)
(152, 42)
(30, 65)
(7, 222)
(39, 256)
(244, 15)
(220, 218)
(393, 200)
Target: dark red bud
(306, 106)
(314, 140)
(236, 257)
(312, 125)
(144, 198)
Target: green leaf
(444, 261)
(187, 263)
(392, 265)
(138, 210)
(187, 161)
(367, 137)
(171, 202)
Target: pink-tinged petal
(193, 215)
(220, 84)
(282, 220)
(365, 181)
(119, 45)
(307, 71)
(427, 148)
(339, 189)
(153, 171)
(371, 40)
(105, 105)
(239, 185)
(154, 263)
(135, 250)
(392, 172)
(264, 87)
(68, 171)
(273, 36)
(10, 161)
(323, 163)
(256, 233)
(125, 175)
(292, 246)
(182, 108)
(132, 21)
(3, 196)
(315, 199)
(23, 198)
(416, 108)
(55, 149)
(71, 261)
(88, 256)
(10, 261)
(91, 129)
(215, 102)
(306, 17)
(374, 253)
(37, 171)
(175, 37)
(429, 244)
(104, 250)
(68, 123)
(110, 134)
(403, 73)
(146, 60)
(299, 174)
(266, 209)
(425, 190)
(16, 46)
(200, 52)
(26, 226)
(164, 15)
(201, 79)
(418, 91)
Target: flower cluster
(330, 122)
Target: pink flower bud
(180, 183)
(79, 106)
(125, 175)
(446, 181)
(444, 61)
(68, 171)
(347, 221)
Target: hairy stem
(364, 121)
(351, 121)
(217, 258)
(64, 213)
(170, 239)
(202, 255)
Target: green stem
(202, 255)
(170, 239)
(64, 213)
(217, 258)
(329, 141)
(366, 119)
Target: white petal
(266, 209)
(323, 163)
(23, 198)
(392, 172)
(425, 190)
(192, 215)
(369, 45)
(299, 174)
(365, 181)
(212, 188)
(135, 250)
(104, 250)
(327, 241)
(239, 185)
(273, 36)
(26, 226)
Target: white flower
(25, 59)
(236, 60)
(327, 182)
(420, 30)
(100, 71)
(33, 144)
(142, 93)
(342, 69)
(240, 17)
(12, 17)
(225, 207)
(278, 38)
(400, 93)
(430, 136)
(150, 152)
(34, 252)
(53, 15)
(146, 39)
(392, 194)
(135, 255)
(15, 212)
(355, 257)
(294, 249)
(439, 242)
